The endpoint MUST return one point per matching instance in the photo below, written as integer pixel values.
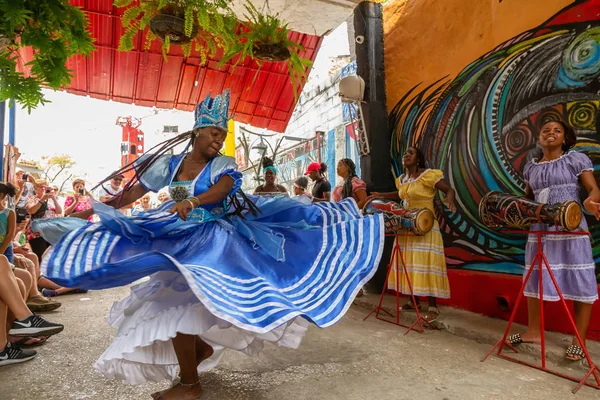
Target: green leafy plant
(211, 24)
(55, 30)
(207, 25)
(264, 37)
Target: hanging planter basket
(270, 52)
(163, 25)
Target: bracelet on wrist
(193, 201)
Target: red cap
(312, 167)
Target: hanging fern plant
(265, 38)
(202, 25)
(55, 30)
(207, 25)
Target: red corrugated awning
(263, 98)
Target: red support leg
(502, 342)
(394, 261)
(389, 269)
(542, 262)
(541, 257)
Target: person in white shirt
(106, 193)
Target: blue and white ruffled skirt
(234, 282)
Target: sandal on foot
(515, 339)
(433, 310)
(410, 306)
(575, 353)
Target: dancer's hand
(592, 207)
(182, 209)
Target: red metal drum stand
(395, 258)
(542, 262)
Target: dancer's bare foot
(180, 392)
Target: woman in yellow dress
(423, 255)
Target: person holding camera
(25, 185)
(80, 201)
(42, 205)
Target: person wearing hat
(224, 269)
(107, 192)
(321, 190)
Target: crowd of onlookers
(24, 291)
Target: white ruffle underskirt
(155, 312)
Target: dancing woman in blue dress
(225, 271)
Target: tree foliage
(55, 30)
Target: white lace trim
(585, 299)
(571, 266)
(551, 161)
(411, 180)
(554, 238)
(584, 170)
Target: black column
(368, 28)
(375, 167)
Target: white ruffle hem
(155, 311)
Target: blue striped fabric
(329, 251)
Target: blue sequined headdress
(213, 111)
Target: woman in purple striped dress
(552, 179)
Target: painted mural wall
(471, 82)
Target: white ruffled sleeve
(222, 166)
(157, 176)
(579, 163)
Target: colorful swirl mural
(481, 127)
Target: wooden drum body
(503, 210)
(397, 219)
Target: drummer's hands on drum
(592, 207)
(182, 209)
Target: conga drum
(398, 219)
(503, 210)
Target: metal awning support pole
(2, 123)
(12, 122)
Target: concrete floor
(352, 360)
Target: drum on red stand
(398, 219)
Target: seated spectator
(8, 224)
(25, 183)
(15, 314)
(42, 205)
(25, 259)
(79, 201)
(143, 206)
(163, 197)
